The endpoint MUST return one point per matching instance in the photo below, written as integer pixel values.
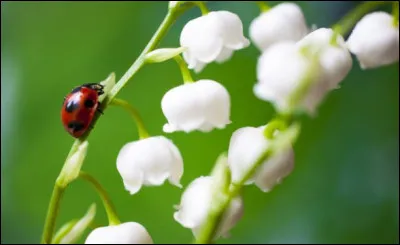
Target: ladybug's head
(95, 86)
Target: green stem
(52, 212)
(187, 78)
(395, 13)
(306, 82)
(202, 6)
(222, 199)
(109, 207)
(263, 6)
(277, 124)
(139, 62)
(172, 15)
(349, 20)
(135, 114)
(213, 220)
(215, 215)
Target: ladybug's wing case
(78, 111)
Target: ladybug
(79, 108)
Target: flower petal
(202, 105)
(149, 162)
(195, 206)
(212, 37)
(125, 233)
(280, 70)
(245, 146)
(283, 22)
(375, 40)
(201, 37)
(195, 203)
(216, 102)
(273, 171)
(225, 55)
(335, 59)
(232, 30)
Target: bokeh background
(346, 181)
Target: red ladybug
(79, 108)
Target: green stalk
(168, 21)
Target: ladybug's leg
(98, 108)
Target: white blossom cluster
(290, 51)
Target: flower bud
(72, 231)
(72, 167)
(163, 54)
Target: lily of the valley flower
(280, 70)
(246, 146)
(126, 233)
(212, 37)
(335, 59)
(195, 205)
(149, 162)
(375, 40)
(202, 105)
(283, 22)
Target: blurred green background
(344, 188)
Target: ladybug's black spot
(89, 103)
(75, 126)
(71, 106)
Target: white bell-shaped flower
(280, 70)
(195, 205)
(202, 105)
(335, 59)
(375, 40)
(149, 162)
(245, 147)
(125, 233)
(283, 22)
(212, 37)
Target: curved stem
(135, 114)
(277, 124)
(169, 19)
(109, 207)
(172, 15)
(202, 6)
(263, 6)
(349, 20)
(221, 199)
(219, 206)
(187, 78)
(52, 212)
(308, 79)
